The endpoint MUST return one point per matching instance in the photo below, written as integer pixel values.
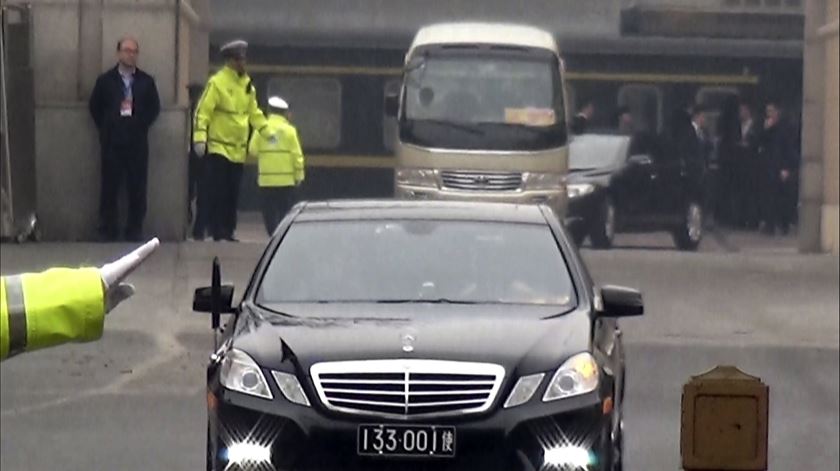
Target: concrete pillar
(831, 149)
(819, 176)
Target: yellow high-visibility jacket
(279, 159)
(224, 112)
(40, 310)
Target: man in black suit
(748, 171)
(780, 161)
(700, 159)
(124, 104)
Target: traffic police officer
(280, 164)
(61, 305)
(222, 118)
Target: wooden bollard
(724, 422)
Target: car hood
(522, 338)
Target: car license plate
(416, 441)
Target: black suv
(418, 335)
(623, 184)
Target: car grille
(481, 181)
(407, 388)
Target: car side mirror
(619, 301)
(216, 299)
(641, 160)
(392, 105)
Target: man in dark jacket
(124, 104)
(779, 159)
(748, 178)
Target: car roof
(484, 33)
(344, 210)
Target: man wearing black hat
(222, 118)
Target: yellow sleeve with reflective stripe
(59, 305)
(204, 111)
(257, 119)
(297, 152)
(254, 147)
(4, 321)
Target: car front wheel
(602, 232)
(689, 233)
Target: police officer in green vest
(280, 163)
(62, 305)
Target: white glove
(115, 272)
(118, 294)
(200, 149)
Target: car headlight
(543, 181)
(241, 373)
(417, 177)
(290, 387)
(525, 388)
(579, 375)
(576, 190)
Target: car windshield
(591, 151)
(417, 261)
(465, 98)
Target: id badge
(126, 108)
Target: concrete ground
(134, 400)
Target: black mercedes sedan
(632, 184)
(387, 335)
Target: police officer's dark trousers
(198, 194)
(276, 202)
(130, 164)
(222, 186)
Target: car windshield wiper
(426, 301)
(470, 128)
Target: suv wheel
(689, 233)
(602, 232)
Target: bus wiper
(534, 129)
(472, 129)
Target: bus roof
(485, 33)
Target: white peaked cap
(278, 103)
(113, 273)
(235, 45)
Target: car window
(417, 261)
(590, 151)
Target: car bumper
(555, 199)
(307, 439)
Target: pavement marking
(162, 357)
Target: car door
(633, 186)
(669, 185)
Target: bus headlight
(542, 181)
(417, 177)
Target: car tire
(689, 234)
(618, 449)
(602, 231)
